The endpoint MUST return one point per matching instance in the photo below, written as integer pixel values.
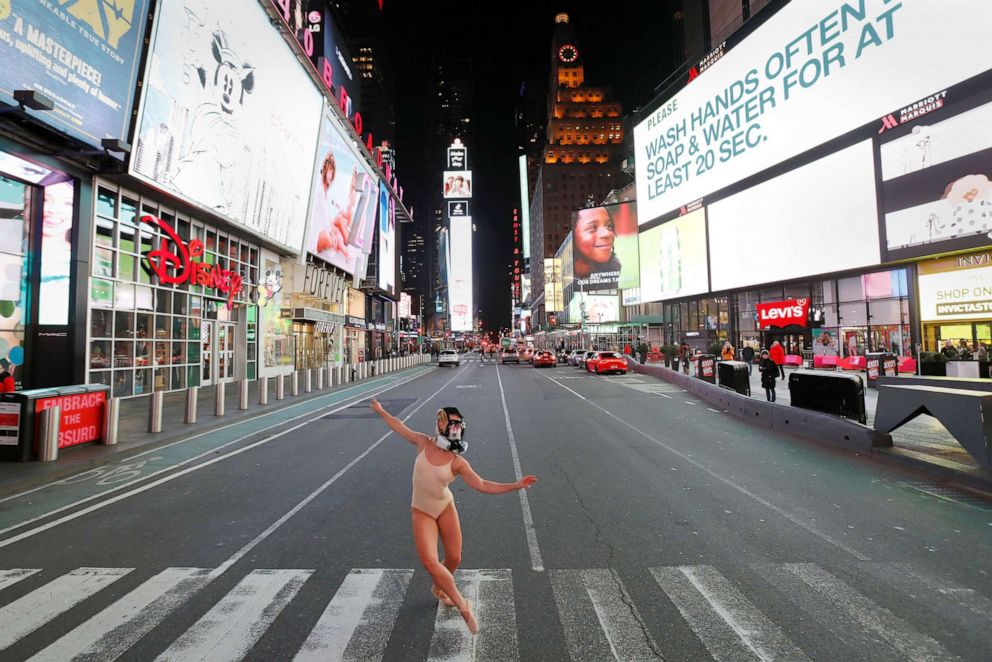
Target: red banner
(82, 416)
(783, 313)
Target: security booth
(81, 420)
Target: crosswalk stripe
(28, 613)
(599, 619)
(359, 619)
(115, 629)
(11, 577)
(725, 621)
(862, 614)
(491, 595)
(230, 629)
(967, 605)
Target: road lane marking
(11, 577)
(726, 622)
(30, 612)
(536, 562)
(359, 619)
(235, 624)
(662, 395)
(599, 619)
(726, 481)
(178, 474)
(114, 630)
(690, 403)
(848, 609)
(491, 595)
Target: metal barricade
(48, 450)
(830, 392)
(733, 375)
(155, 405)
(192, 398)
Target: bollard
(263, 391)
(155, 411)
(111, 421)
(307, 380)
(218, 399)
(48, 451)
(338, 374)
(295, 383)
(320, 379)
(192, 395)
(243, 393)
(280, 387)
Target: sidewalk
(133, 435)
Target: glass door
(207, 343)
(218, 343)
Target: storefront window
(15, 229)
(143, 324)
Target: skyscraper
(581, 153)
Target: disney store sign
(175, 263)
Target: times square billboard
(460, 271)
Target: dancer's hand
(526, 481)
(376, 407)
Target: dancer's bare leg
(425, 535)
(450, 529)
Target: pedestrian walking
(439, 460)
(777, 354)
(769, 372)
(747, 354)
(684, 355)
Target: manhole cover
(362, 409)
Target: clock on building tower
(568, 53)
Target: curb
(91, 456)
(820, 428)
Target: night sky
(626, 44)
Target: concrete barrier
(812, 425)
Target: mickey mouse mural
(216, 137)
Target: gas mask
(451, 433)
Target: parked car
(448, 357)
(585, 356)
(604, 362)
(509, 355)
(525, 354)
(544, 359)
(573, 356)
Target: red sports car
(544, 358)
(604, 362)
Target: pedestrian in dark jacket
(769, 372)
(747, 355)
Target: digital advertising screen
(457, 183)
(460, 305)
(229, 117)
(343, 201)
(816, 219)
(936, 174)
(83, 56)
(387, 240)
(673, 258)
(605, 255)
(597, 308)
(812, 72)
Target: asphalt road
(659, 529)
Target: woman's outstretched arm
(397, 426)
(461, 467)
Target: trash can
(733, 375)
(837, 393)
(705, 367)
(880, 364)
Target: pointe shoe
(469, 617)
(442, 596)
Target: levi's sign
(177, 265)
(783, 313)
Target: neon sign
(178, 265)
